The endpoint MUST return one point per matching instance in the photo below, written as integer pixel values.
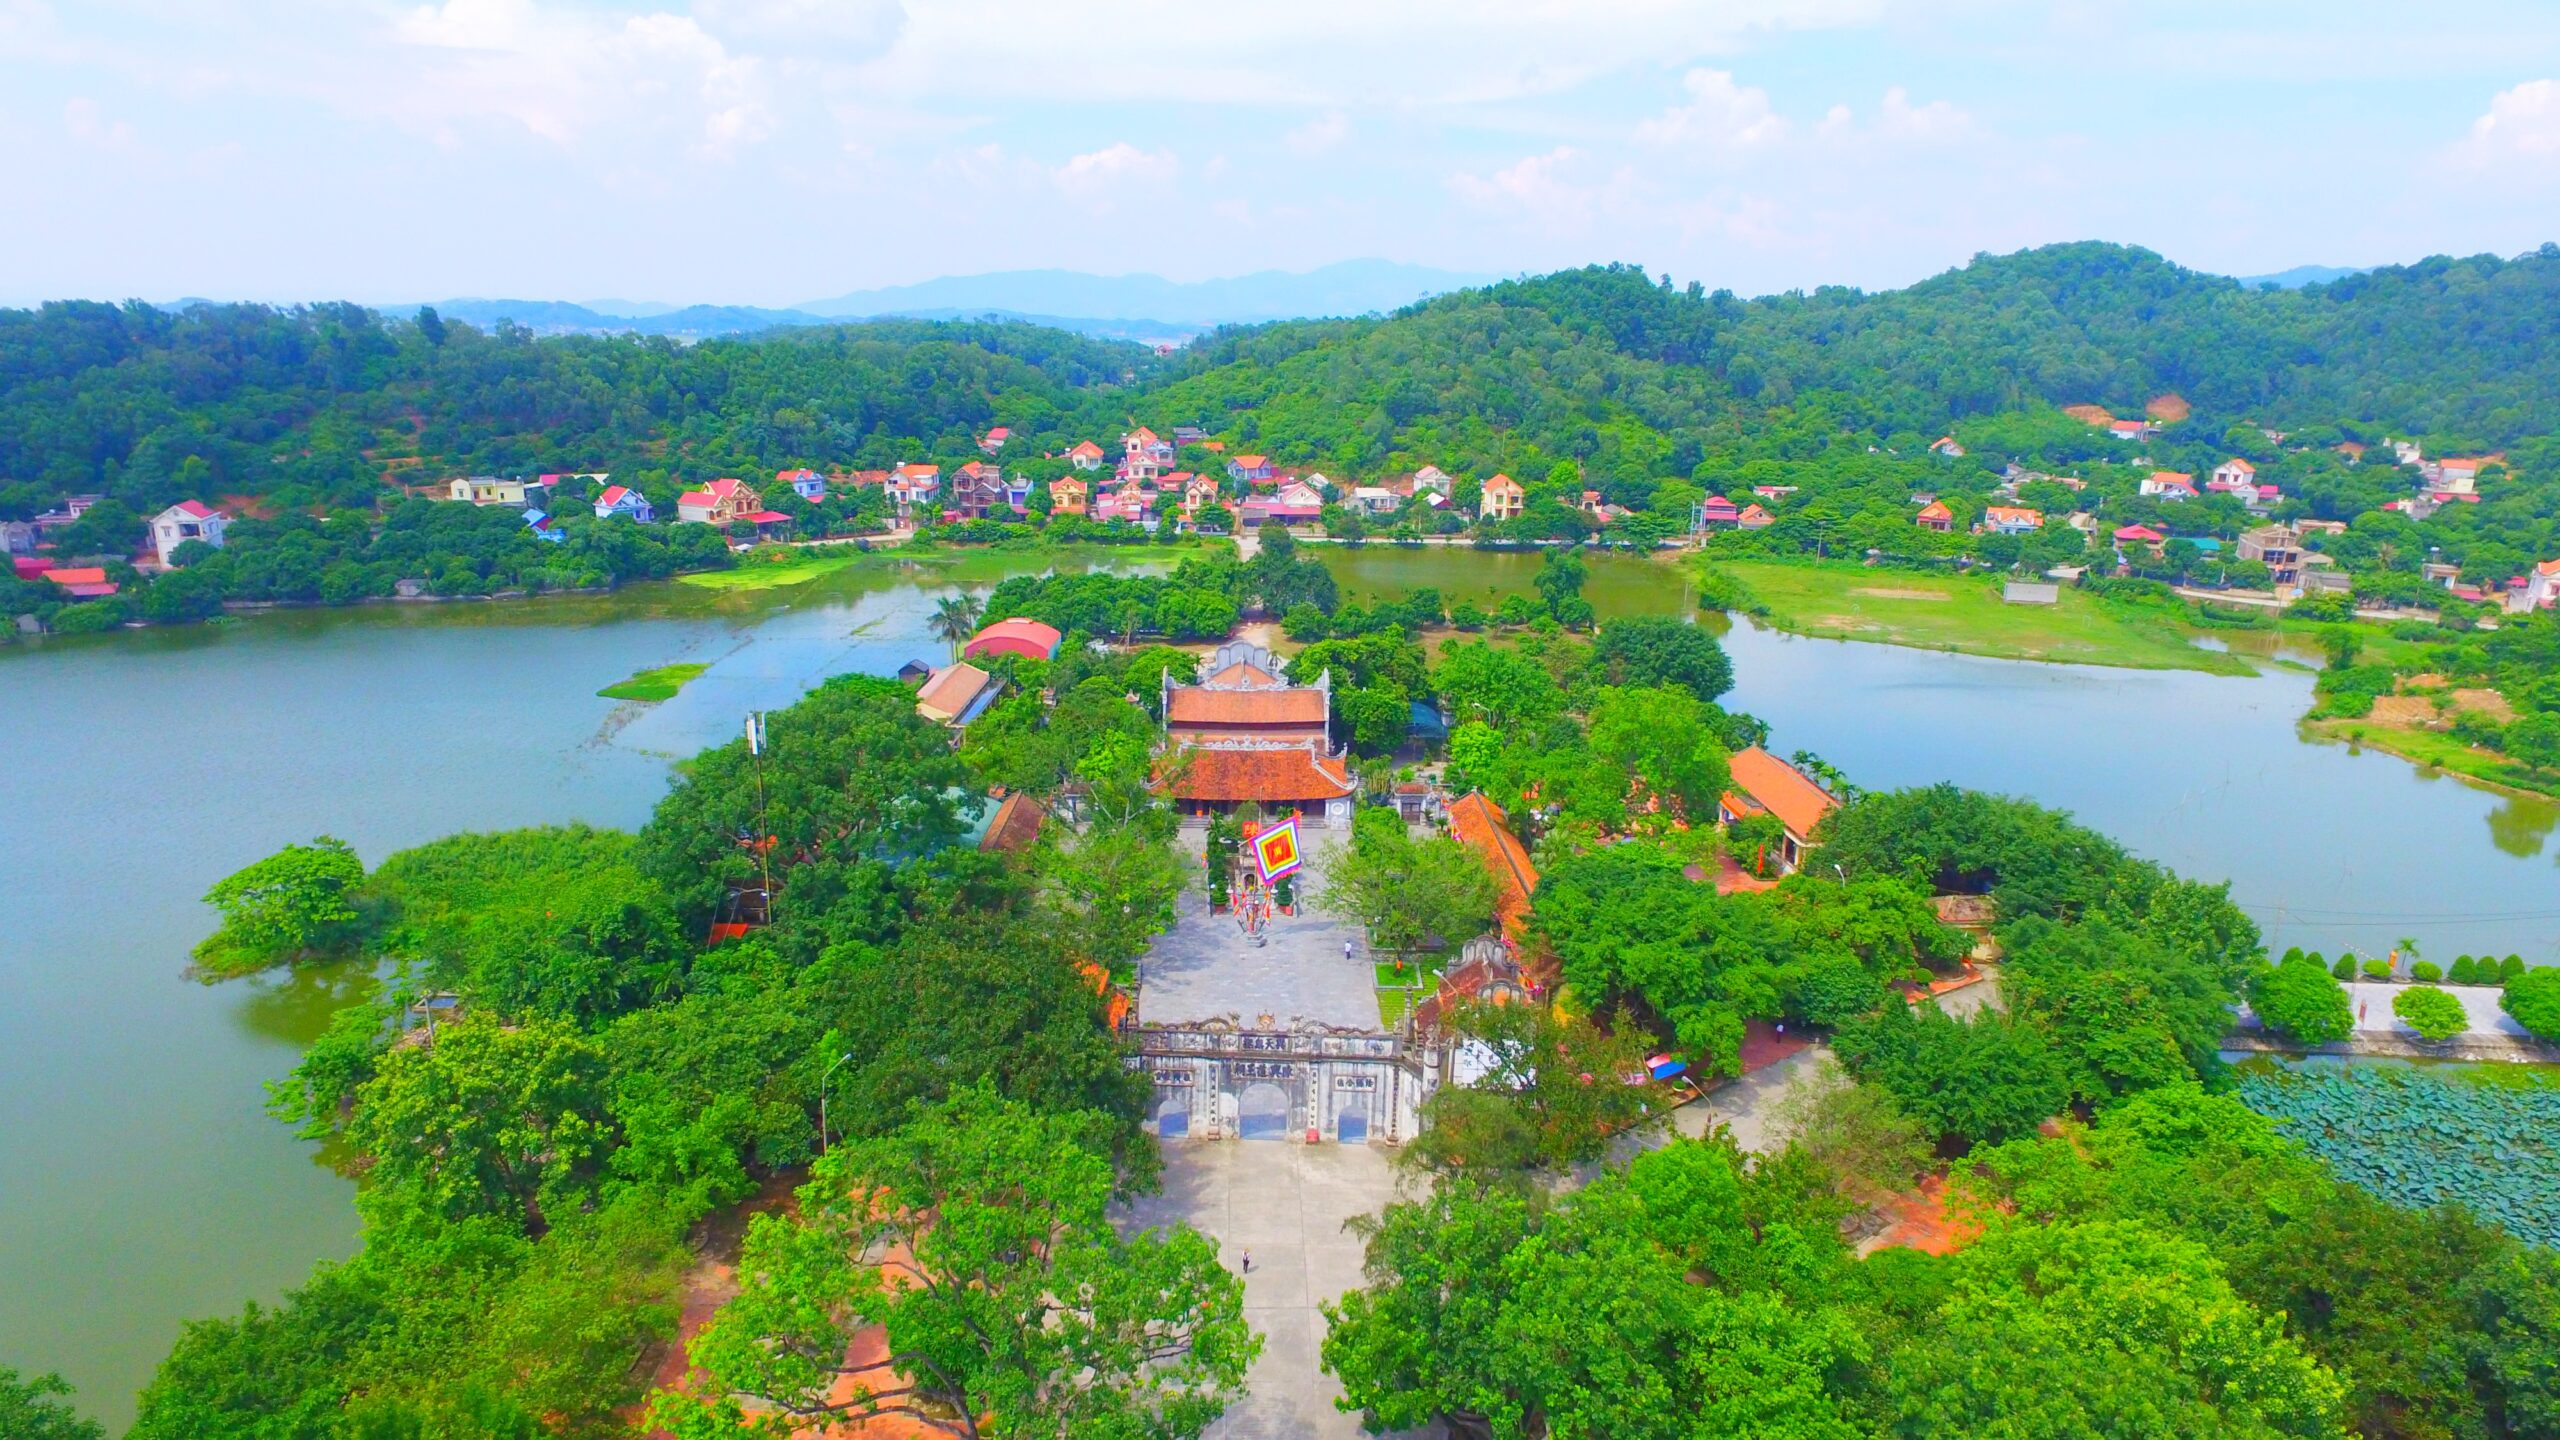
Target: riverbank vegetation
(565, 1077)
(1959, 612)
(661, 682)
(2116, 1228)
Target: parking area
(1205, 967)
(1284, 1205)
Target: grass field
(767, 575)
(659, 684)
(1965, 614)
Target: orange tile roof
(1935, 510)
(951, 691)
(1016, 826)
(1999, 513)
(1504, 484)
(84, 575)
(1295, 706)
(1211, 772)
(1781, 789)
(1482, 827)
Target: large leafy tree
(2102, 1329)
(38, 1408)
(976, 1240)
(1404, 891)
(2302, 1001)
(292, 905)
(1656, 650)
(1988, 1077)
(1554, 1092)
(486, 1119)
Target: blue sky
(774, 151)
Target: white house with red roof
(1948, 446)
(1250, 468)
(2234, 476)
(623, 500)
(2129, 429)
(994, 439)
(914, 487)
(1085, 456)
(187, 520)
(2542, 586)
(1145, 444)
(809, 485)
(2169, 485)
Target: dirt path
(713, 1280)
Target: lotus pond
(2423, 1137)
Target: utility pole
(764, 832)
(822, 1098)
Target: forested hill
(1634, 380)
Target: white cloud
(2522, 127)
(1102, 175)
(1898, 122)
(88, 125)
(1336, 53)
(1720, 115)
(849, 28)
(1319, 135)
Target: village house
(1198, 493)
(1773, 492)
(187, 520)
(722, 502)
(1715, 513)
(2234, 476)
(486, 490)
(2140, 535)
(993, 441)
(914, 490)
(1751, 518)
(1248, 469)
(1946, 445)
(1132, 502)
(1188, 435)
(1935, 516)
(1085, 456)
(2169, 485)
(1432, 480)
(1066, 497)
(956, 695)
(1763, 784)
(2010, 520)
(1242, 734)
(1375, 500)
(809, 485)
(83, 582)
(1503, 499)
(2321, 527)
(544, 528)
(2542, 586)
(2279, 548)
(1145, 444)
(623, 500)
(2129, 429)
(977, 489)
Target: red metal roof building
(1018, 636)
(1763, 784)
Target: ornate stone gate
(1215, 1080)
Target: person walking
(1248, 1262)
(1346, 950)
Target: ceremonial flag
(1275, 851)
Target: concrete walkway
(1284, 1204)
(1204, 967)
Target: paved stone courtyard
(1204, 968)
(1284, 1204)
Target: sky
(769, 152)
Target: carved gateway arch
(1214, 1080)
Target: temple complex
(1242, 734)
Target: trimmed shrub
(2465, 971)
(2302, 1001)
(2510, 969)
(2377, 969)
(2533, 998)
(2425, 970)
(2345, 969)
(2431, 1012)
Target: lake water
(141, 1185)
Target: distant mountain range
(1145, 308)
(2301, 275)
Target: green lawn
(659, 684)
(1965, 613)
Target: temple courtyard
(1205, 968)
